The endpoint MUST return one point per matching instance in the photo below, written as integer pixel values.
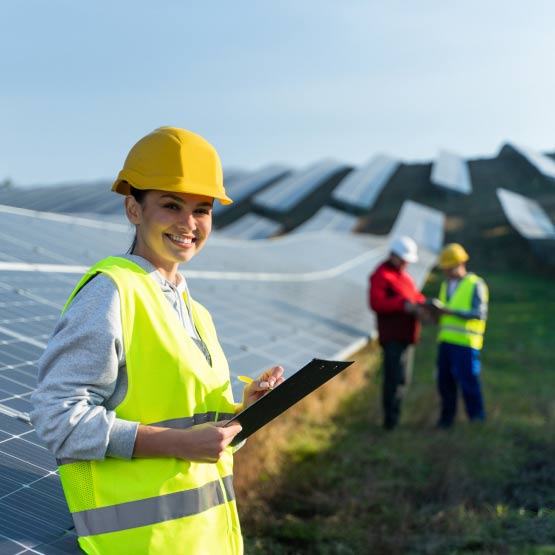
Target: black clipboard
(278, 400)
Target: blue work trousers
(459, 366)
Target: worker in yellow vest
(462, 306)
(134, 388)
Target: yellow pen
(246, 379)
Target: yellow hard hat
(173, 159)
(452, 255)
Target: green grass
(347, 487)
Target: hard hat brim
(126, 178)
(451, 263)
(409, 257)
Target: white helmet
(405, 248)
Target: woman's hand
(259, 387)
(205, 443)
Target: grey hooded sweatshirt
(83, 375)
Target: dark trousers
(397, 370)
(459, 366)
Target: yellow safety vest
(158, 506)
(461, 331)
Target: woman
(134, 388)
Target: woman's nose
(187, 220)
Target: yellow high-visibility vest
(461, 331)
(158, 506)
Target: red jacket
(389, 289)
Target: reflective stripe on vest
(157, 506)
(456, 330)
(150, 511)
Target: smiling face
(171, 227)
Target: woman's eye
(171, 206)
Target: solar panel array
(451, 172)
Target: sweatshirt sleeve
(382, 297)
(79, 372)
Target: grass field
(326, 479)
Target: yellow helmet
(452, 255)
(173, 159)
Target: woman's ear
(133, 210)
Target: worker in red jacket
(396, 300)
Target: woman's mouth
(180, 240)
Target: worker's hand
(435, 304)
(206, 443)
(421, 312)
(427, 314)
(259, 387)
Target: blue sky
(290, 81)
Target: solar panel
(251, 226)
(72, 197)
(248, 183)
(450, 171)
(327, 219)
(526, 215)
(360, 188)
(287, 193)
(32, 506)
(543, 164)
(422, 223)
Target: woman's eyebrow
(173, 197)
(182, 201)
